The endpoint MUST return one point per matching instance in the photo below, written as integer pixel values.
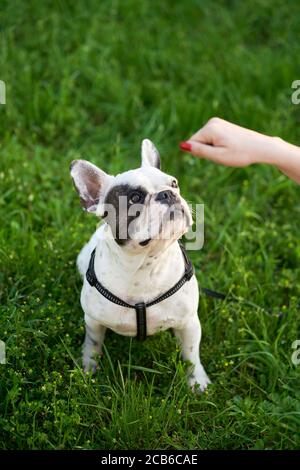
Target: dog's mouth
(177, 215)
(145, 242)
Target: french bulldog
(137, 257)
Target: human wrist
(283, 154)
(268, 149)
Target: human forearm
(283, 155)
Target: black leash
(140, 307)
(212, 293)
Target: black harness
(140, 307)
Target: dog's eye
(174, 184)
(135, 197)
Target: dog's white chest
(170, 313)
(136, 281)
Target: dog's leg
(189, 338)
(92, 346)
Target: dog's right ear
(91, 183)
(150, 154)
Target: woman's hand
(231, 145)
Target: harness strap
(141, 321)
(213, 293)
(140, 307)
(93, 281)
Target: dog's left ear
(91, 184)
(150, 154)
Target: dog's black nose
(166, 197)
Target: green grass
(92, 79)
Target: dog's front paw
(89, 366)
(199, 382)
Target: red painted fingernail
(185, 146)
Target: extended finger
(199, 149)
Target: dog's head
(142, 207)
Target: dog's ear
(90, 182)
(150, 154)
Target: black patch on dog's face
(118, 221)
